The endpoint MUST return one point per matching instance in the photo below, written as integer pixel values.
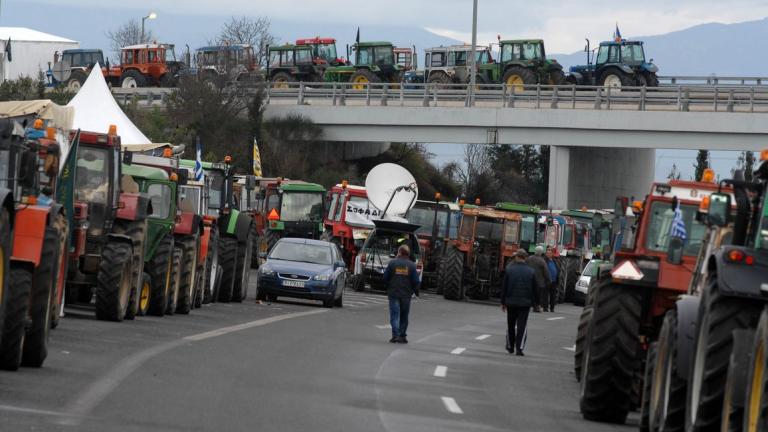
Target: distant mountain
(724, 49)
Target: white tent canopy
(96, 109)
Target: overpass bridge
(602, 139)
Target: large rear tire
(645, 399)
(362, 77)
(243, 268)
(42, 297)
(736, 381)
(756, 400)
(453, 273)
(5, 258)
(228, 262)
(212, 281)
(17, 301)
(718, 317)
(160, 272)
(132, 79)
(611, 354)
(518, 77)
(581, 340)
(189, 247)
(668, 390)
(176, 265)
(136, 231)
(113, 284)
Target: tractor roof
(456, 48)
(289, 47)
(521, 41)
(488, 212)
(374, 44)
(622, 42)
(578, 214)
(145, 172)
(520, 208)
(217, 48)
(145, 46)
(81, 50)
(189, 163)
(302, 187)
(351, 188)
(316, 40)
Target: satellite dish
(62, 70)
(391, 189)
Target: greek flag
(199, 161)
(678, 225)
(617, 34)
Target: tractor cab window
(489, 230)
(364, 55)
(273, 202)
(602, 54)
(92, 178)
(528, 229)
(303, 56)
(510, 52)
(511, 231)
(661, 218)
(129, 57)
(614, 54)
(216, 189)
(438, 59)
(425, 217)
(632, 54)
(453, 227)
(568, 235)
(332, 206)
(286, 59)
(531, 51)
(467, 227)
(160, 195)
(151, 56)
(459, 58)
(302, 206)
(274, 58)
(482, 57)
(550, 235)
(384, 55)
(327, 52)
(190, 198)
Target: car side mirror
(340, 264)
(719, 209)
(675, 250)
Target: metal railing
(712, 80)
(719, 98)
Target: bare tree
(473, 175)
(127, 34)
(247, 30)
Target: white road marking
(458, 351)
(244, 326)
(555, 318)
(451, 405)
(573, 348)
(382, 327)
(441, 371)
(483, 337)
(32, 411)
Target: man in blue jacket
(402, 282)
(518, 294)
(550, 294)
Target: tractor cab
(145, 65)
(292, 63)
(444, 65)
(528, 224)
(323, 50)
(349, 219)
(294, 208)
(235, 62)
(522, 62)
(619, 63)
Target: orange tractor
(348, 219)
(145, 65)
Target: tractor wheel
(756, 400)
(243, 268)
(480, 82)
(610, 354)
(645, 412)
(228, 261)
(41, 298)
(255, 251)
(616, 79)
(556, 77)
(5, 259)
(581, 340)
(14, 320)
(189, 247)
(736, 381)
(640, 81)
(362, 77)
(652, 79)
(212, 281)
(160, 271)
(76, 80)
(452, 266)
(144, 295)
(440, 79)
(282, 80)
(267, 241)
(136, 231)
(562, 279)
(168, 80)
(567, 270)
(667, 397)
(199, 286)
(518, 77)
(113, 284)
(718, 317)
(173, 297)
(132, 79)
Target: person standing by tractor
(402, 281)
(550, 297)
(541, 274)
(518, 294)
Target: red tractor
(323, 51)
(145, 65)
(651, 268)
(570, 243)
(348, 219)
(438, 225)
(32, 232)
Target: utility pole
(472, 54)
(151, 16)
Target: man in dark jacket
(550, 297)
(402, 282)
(518, 294)
(541, 274)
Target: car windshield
(632, 54)
(302, 206)
(327, 52)
(91, 179)
(426, 218)
(384, 55)
(660, 223)
(301, 252)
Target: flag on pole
(198, 160)
(357, 38)
(65, 192)
(256, 159)
(617, 34)
(8, 51)
(678, 225)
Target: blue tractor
(619, 63)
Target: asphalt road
(295, 366)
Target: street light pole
(151, 16)
(473, 53)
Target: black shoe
(394, 340)
(402, 340)
(510, 350)
(519, 353)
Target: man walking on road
(518, 294)
(402, 282)
(550, 294)
(541, 274)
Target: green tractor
(374, 63)
(528, 225)
(522, 63)
(292, 63)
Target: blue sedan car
(302, 268)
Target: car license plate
(294, 284)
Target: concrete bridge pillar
(594, 176)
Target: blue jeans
(398, 315)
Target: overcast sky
(564, 24)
